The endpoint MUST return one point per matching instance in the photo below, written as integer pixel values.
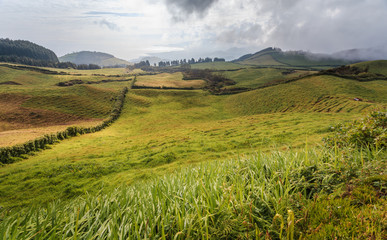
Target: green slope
(277, 57)
(158, 132)
(313, 94)
(87, 57)
(377, 67)
(217, 66)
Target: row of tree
(146, 64)
(189, 61)
(11, 154)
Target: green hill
(99, 58)
(377, 67)
(25, 52)
(276, 57)
(311, 94)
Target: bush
(369, 132)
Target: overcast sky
(193, 28)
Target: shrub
(369, 132)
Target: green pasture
(158, 131)
(185, 164)
(312, 94)
(217, 66)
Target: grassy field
(258, 77)
(378, 67)
(217, 66)
(174, 80)
(158, 132)
(312, 94)
(294, 195)
(265, 60)
(169, 156)
(36, 106)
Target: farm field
(258, 77)
(167, 80)
(217, 66)
(32, 105)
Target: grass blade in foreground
(228, 200)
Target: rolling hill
(376, 67)
(98, 58)
(275, 57)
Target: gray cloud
(320, 26)
(180, 9)
(105, 23)
(330, 25)
(245, 33)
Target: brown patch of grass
(13, 116)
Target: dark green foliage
(88, 66)
(11, 154)
(370, 132)
(78, 81)
(26, 52)
(215, 82)
(352, 72)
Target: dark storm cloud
(180, 9)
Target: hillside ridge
(89, 57)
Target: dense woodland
(28, 53)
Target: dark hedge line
(12, 154)
(78, 81)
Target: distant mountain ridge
(98, 58)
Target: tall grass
(246, 198)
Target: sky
(172, 29)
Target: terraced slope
(313, 94)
